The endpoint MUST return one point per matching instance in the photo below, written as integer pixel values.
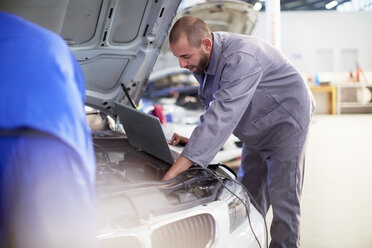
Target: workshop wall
(324, 41)
(326, 45)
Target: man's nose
(182, 62)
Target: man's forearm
(177, 168)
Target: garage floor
(337, 194)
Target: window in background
(349, 60)
(324, 60)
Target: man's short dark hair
(194, 28)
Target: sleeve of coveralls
(239, 80)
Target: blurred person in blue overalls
(47, 167)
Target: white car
(116, 43)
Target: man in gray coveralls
(249, 89)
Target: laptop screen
(144, 131)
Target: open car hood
(230, 16)
(118, 42)
(115, 42)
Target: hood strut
(129, 97)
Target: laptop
(145, 132)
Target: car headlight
(238, 203)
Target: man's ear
(207, 44)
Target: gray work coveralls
(251, 90)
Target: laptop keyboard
(174, 154)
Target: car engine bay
(132, 198)
(127, 177)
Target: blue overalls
(47, 167)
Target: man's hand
(179, 166)
(178, 140)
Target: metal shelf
(351, 104)
(355, 105)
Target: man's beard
(202, 65)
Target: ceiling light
(257, 6)
(331, 4)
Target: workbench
(332, 96)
